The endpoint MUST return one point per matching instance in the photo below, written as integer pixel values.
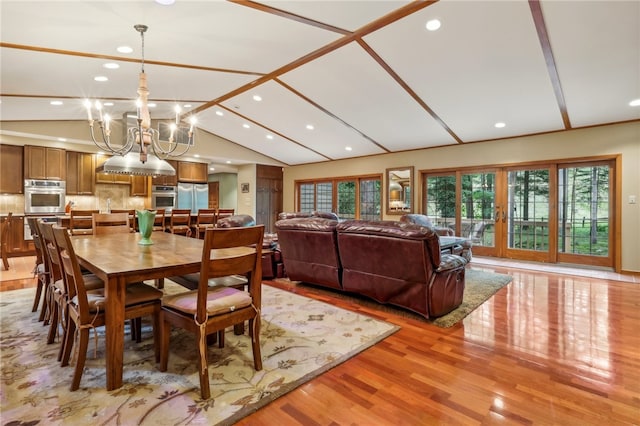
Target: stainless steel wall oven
(44, 196)
(164, 197)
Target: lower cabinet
(16, 244)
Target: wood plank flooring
(549, 349)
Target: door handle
(504, 216)
(497, 217)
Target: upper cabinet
(11, 171)
(81, 170)
(167, 180)
(110, 177)
(139, 186)
(193, 172)
(44, 163)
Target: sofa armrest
(450, 262)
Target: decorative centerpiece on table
(145, 225)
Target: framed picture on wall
(244, 187)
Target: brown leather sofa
(390, 261)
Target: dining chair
(5, 228)
(40, 271)
(209, 310)
(158, 222)
(131, 214)
(80, 221)
(87, 307)
(109, 223)
(58, 291)
(180, 222)
(206, 219)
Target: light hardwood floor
(550, 348)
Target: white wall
(623, 139)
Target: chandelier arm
(164, 153)
(105, 144)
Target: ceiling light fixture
(140, 135)
(499, 125)
(433, 24)
(634, 103)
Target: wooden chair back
(110, 223)
(180, 222)
(40, 269)
(206, 218)
(158, 222)
(132, 216)
(80, 222)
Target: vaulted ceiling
(367, 76)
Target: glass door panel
(346, 208)
(477, 210)
(527, 215)
(440, 200)
(584, 214)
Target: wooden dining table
(119, 260)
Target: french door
(557, 212)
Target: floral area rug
(301, 338)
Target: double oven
(44, 198)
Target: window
(349, 198)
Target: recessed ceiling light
(433, 24)
(124, 49)
(635, 102)
(56, 103)
(257, 98)
(246, 126)
(228, 161)
(197, 155)
(108, 104)
(348, 148)
(499, 125)
(269, 137)
(165, 2)
(219, 113)
(111, 65)
(152, 105)
(310, 127)
(186, 106)
(62, 139)
(100, 78)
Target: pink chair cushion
(220, 300)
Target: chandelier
(140, 138)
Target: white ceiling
(366, 74)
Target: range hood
(130, 164)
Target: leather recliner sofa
(392, 262)
(463, 250)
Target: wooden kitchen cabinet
(167, 180)
(110, 177)
(16, 244)
(193, 172)
(11, 169)
(81, 170)
(44, 163)
(139, 186)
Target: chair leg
(67, 343)
(53, 323)
(254, 331)
(83, 344)
(165, 331)
(157, 337)
(203, 367)
(64, 315)
(36, 300)
(46, 305)
(159, 283)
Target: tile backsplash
(119, 195)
